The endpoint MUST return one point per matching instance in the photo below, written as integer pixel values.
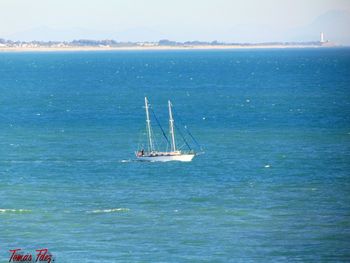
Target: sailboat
(152, 155)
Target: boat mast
(171, 122)
(148, 123)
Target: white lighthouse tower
(322, 38)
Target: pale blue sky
(223, 20)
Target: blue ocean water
(272, 186)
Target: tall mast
(171, 122)
(148, 123)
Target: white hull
(153, 155)
(180, 158)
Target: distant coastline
(110, 45)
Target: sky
(180, 20)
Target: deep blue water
(272, 186)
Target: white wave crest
(112, 210)
(125, 161)
(4, 210)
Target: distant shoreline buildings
(164, 43)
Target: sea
(271, 182)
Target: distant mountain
(51, 34)
(251, 33)
(334, 24)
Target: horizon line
(160, 41)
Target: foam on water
(126, 161)
(112, 210)
(16, 211)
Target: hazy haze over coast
(228, 21)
